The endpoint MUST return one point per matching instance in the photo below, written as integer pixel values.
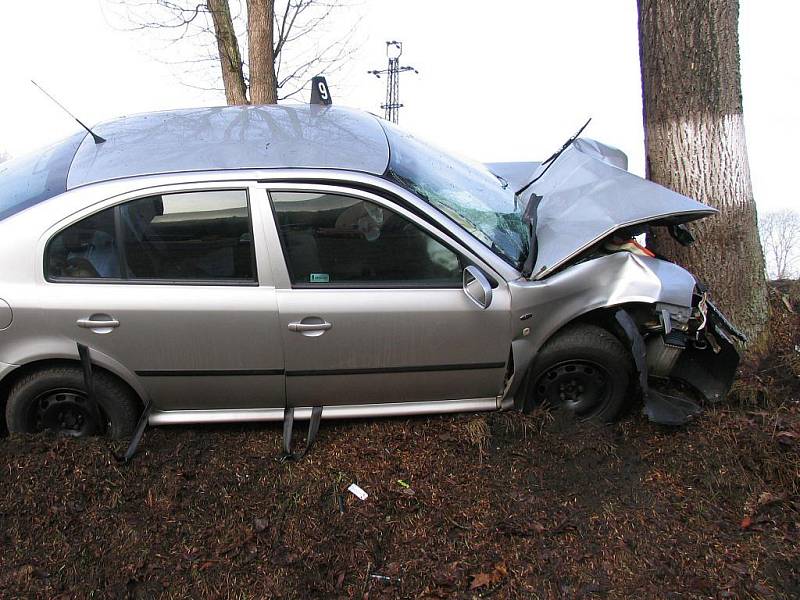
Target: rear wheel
(55, 399)
(584, 370)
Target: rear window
(34, 178)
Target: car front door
(167, 285)
(371, 304)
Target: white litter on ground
(357, 492)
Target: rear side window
(86, 250)
(336, 240)
(192, 236)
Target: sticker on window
(319, 278)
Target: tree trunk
(260, 24)
(230, 59)
(695, 145)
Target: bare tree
(230, 59)
(260, 34)
(695, 143)
(780, 235)
(286, 41)
(4, 156)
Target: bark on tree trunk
(695, 144)
(230, 59)
(260, 23)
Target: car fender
(59, 349)
(542, 308)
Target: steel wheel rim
(582, 387)
(65, 411)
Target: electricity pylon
(392, 105)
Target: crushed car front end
(674, 333)
(572, 227)
(590, 262)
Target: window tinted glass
(198, 236)
(195, 236)
(86, 249)
(332, 239)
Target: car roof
(232, 137)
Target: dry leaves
(480, 580)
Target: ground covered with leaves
(499, 505)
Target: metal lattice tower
(392, 104)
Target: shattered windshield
(470, 194)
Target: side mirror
(477, 287)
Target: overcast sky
(505, 80)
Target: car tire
(55, 399)
(584, 369)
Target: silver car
(228, 264)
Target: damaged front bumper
(694, 347)
(709, 364)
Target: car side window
(188, 236)
(86, 250)
(331, 239)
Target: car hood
(587, 194)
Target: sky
(500, 81)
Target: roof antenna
(97, 138)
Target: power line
(392, 104)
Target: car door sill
(348, 411)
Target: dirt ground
(502, 505)
(471, 506)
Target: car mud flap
(88, 382)
(660, 408)
(137, 436)
(288, 425)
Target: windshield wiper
(502, 180)
(549, 162)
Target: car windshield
(470, 194)
(34, 178)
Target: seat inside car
(86, 250)
(136, 218)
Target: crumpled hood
(587, 194)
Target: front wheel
(584, 370)
(55, 399)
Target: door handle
(297, 326)
(97, 324)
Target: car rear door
(167, 285)
(371, 304)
